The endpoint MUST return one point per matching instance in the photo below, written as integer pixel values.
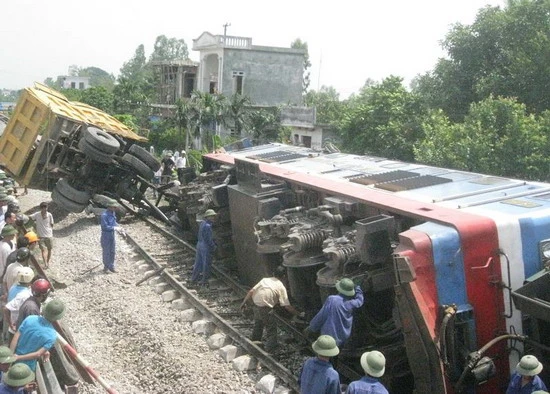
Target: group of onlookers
(28, 320)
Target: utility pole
(227, 24)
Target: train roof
(377, 179)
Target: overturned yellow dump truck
(78, 152)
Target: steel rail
(282, 372)
(344, 369)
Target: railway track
(170, 260)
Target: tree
(135, 68)
(98, 77)
(299, 44)
(236, 113)
(384, 119)
(98, 97)
(505, 52)
(167, 49)
(204, 113)
(130, 97)
(265, 124)
(328, 106)
(498, 136)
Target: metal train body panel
(470, 239)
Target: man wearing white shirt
(181, 163)
(44, 228)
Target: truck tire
(145, 157)
(66, 190)
(94, 153)
(65, 203)
(139, 167)
(101, 140)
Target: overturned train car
(454, 265)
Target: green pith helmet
(529, 366)
(4, 197)
(8, 230)
(54, 310)
(346, 287)
(6, 355)
(3, 175)
(3, 190)
(325, 346)
(209, 213)
(19, 375)
(373, 363)
(113, 204)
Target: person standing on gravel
(40, 289)
(7, 246)
(181, 163)
(205, 249)
(266, 294)
(317, 375)
(36, 335)
(17, 295)
(108, 227)
(44, 227)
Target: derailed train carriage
(454, 265)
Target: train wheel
(65, 203)
(138, 166)
(94, 153)
(101, 140)
(145, 157)
(66, 190)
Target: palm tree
(204, 114)
(183, 121)
(237, 113)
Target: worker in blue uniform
(317, 375)
(374, 365)
(336, 316)
(205, 249)
(6, 360)
(108, 227)
(19, 379)
(525, 379)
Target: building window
(81, 85)
(73, 85)
(238, 77)
(306, 140)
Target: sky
(349, 41)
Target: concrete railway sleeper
(213, 311)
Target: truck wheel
(65, 203)
(101, 140)
(66, 190)
(94, 153)
(145, 157)
(138, 166)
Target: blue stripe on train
(533, 230)
(449, 263)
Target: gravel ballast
(134, 340)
